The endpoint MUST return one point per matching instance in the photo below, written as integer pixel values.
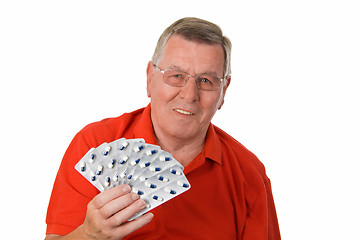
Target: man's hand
(107, 216)
(108, 212)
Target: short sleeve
(71, 192)
(261, 221)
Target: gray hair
(195, 29)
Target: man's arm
(107, 216)
(261, 222)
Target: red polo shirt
(230, 195)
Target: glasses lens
(208, 82)
(175, 78)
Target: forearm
(78, 233)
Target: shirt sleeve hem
(59, 229)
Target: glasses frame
(189, 76)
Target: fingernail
(141, 203)
(126, 188)
(149, 216)
(135, 196)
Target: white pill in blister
(174, 171)
(162, 178)
(107, 181)
(155, 169)
(123, 159)
(92, 158)
(123, 146)
(158, 198)
(143, 178)
(116, 177)
(92, 177)
(151, 152)
(135, 177)
(144, 164)
(82, 166)
(183, 184)
(134, 162)
(169, 190)
(123, 174)
(112, 163)
(164, 158)
(137, 191)
(106, 150)
(138, 148)
(99, 170)
(150, 185)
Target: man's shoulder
(234, 144)
(109, 129)
(241, 155)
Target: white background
(293, 101)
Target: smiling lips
(183, 111)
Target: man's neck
(183, 150)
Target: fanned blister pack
(151, 172)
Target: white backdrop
(293, 101)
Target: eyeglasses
(178, 78)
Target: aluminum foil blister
(151, 172)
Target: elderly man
(230, 197)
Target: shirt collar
(144, 129)
(212, 149)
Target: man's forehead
(183, 39)
(179, 47)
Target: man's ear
(149, 74)
(228, 80)
(225, 87)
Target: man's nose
(190, 92)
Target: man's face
(185, 112)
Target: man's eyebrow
(175, 67)
(211, 73)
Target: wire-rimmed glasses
(178, 78)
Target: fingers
(126, 213)
(103, 198)
(108, 213)
(130, 227)
(118, 204)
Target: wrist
(83, 233)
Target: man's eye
(178, 76)
(205, 80)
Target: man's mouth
(183, 111)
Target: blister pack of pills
(151, 172)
